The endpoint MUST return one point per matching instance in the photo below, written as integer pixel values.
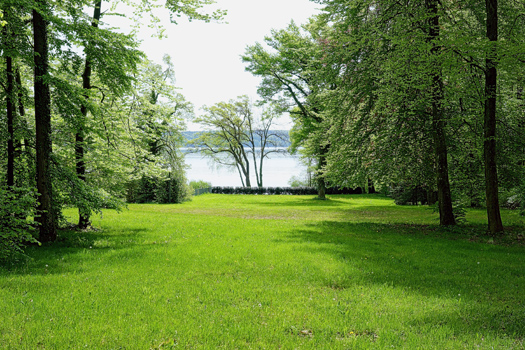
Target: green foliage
(2, 22)
(170, 188)
(514, 198)
(121, 110)
(303, 190)
(296, 181)
(195, 185)
(458, 210)
(175, 189)
(404, 194)
(236, 138)
(191, 9)
(17, 206)
(397, 86)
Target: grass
(268, 272)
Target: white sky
(206, 56)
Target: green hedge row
(283, 190)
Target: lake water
(277, 171)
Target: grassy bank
(353, 272)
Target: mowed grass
(270, 272)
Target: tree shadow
(433, 263)
(74, 245)
(307, 201)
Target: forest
(423, 100)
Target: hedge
(283, 190)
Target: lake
(277, 171)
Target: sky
(206, 56)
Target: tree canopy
(86, 113)
(407, 96)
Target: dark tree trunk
(240, 175)
(84, 213)
(10, 122)
(371, 188)
(18, 78)
(45, 213)
(432, 197)
(489, 144)
(10, 102)
(321, 184)
(446, 215)
(247, 176)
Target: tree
(262, 141)
(233, 134)
(290, 79)
(83, 213)
(46, 215)
(70, 153)
(489, 145)
(10, 104)
(384, 60)
(224, 138)
(159, 112)
(446, 216)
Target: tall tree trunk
(24, 143)
(446, 215)
(245, 166)
(261, 160)
(18, 79)
(84, 213)
(45, 213)
(10, 101)
(258, 171)
(247, 175)
(321, 184)
(240, 175)
(489, 144)
(10, 122)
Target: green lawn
(269, 272)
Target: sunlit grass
(353, 272)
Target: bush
(282, 190)
(173, 190)
(458, 210)
(404, 194)
(295, 181)
(153, 189)
(513, 198)
(16, 208)
(199, 184)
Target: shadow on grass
(73, 244)
(308, 201)
(486, 281)
(331, 201)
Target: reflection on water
(277, 171)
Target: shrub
(404, 194)
(16, 212)
(154, 189)
(199, 184)
(282, 190)
(513, 198)
(173, 190)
